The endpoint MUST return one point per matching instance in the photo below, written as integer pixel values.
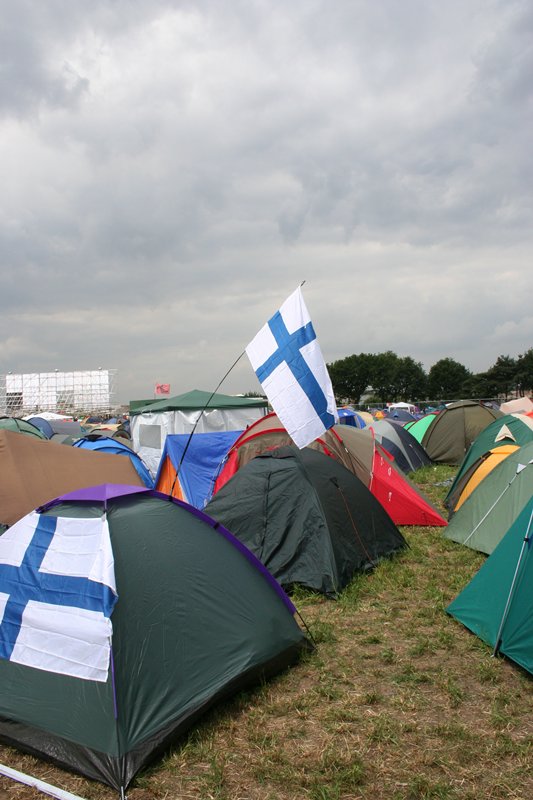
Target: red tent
(358, 450)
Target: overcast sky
(173, 169)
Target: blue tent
(105, 444)
(199, 469)
(400, 415)
(349, 417)
(43, 425)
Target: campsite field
(398, 701)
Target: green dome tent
(477, 473)
(357, 450)
(497, 604)
(197, 618)
(505, 430)
(21, 426)
(486, 515)
(307, 518)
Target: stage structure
(73, 393)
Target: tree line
(391, 378)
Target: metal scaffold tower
(72, 393)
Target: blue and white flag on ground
(57, 592)
(288, 361)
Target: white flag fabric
(287, 359)
(57, 593)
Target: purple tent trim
(109, 491)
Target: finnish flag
(288, 362)
(57, 592)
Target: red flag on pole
(162, 388)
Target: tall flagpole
(202, 413)
(213, 393)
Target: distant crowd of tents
(215, 516)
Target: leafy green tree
(524, 372)
(446, 379)
(391, 377)
(502, 376)
(350, 376)
(385, 376)
(411, 380)
(478, 386)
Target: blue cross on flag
(57, 592)
(288, 361)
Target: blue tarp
(199, 469)
(107, 445)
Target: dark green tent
(197, 618)
(307, 518)
(497, 604)
(198, 399)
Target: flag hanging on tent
(288, 361)
(57, 592)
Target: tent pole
(41, 786)
(519, 469)
(198, 420)
(513, 584)
(114, 684)
(115, 714)
(201, 414)
(484, 517)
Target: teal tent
(497, 604)
(197, 618)
(420, 426)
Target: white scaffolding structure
(72, 393)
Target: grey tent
(407, 452)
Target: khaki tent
(33, 471)
(453, 430)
